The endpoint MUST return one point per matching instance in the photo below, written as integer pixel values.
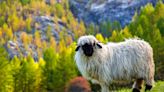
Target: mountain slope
(98, 11)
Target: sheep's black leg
(135, 90)
(137, 85)
(148, 87)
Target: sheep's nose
(88, 52)
(87, 49)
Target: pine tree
(65, 68)
(27, 79)
(49, 70)
(5, 72)
(100, 38)
(28, 25)
(15, 65)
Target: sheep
(108, 63)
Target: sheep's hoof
(148, 87)
(135, 90)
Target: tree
(15, 65)
(49, 70)
(37, 39)
(7, 32)
(5, 72)
(139, 32)
(14, 22)
(65, 68)
(2, 21)
(49, 33)
(28, 25)
(148, 25)
(52, 42)
(24, 2)
(26, 75)
(90, 29)
(100, 38)
(116, 26)
(116, 36)
(59, 10)
(125, 33)
(24, 39)
(160, 25)
(41, 65)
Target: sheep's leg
(150, 79)
(104, 88)
(149, 84)
(137, 85)
(94, 81)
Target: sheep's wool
(126, 60)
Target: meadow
(158, 87)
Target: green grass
(158, 87)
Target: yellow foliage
(28, 24)
(126, 32)
(61, 47)
(44, 44)
(114, 33)
(37, 4)
(41, 62)
(37, 39)
(64, 19)
(1, 32)
(14, 22)
(24, 38)
(69, 40)
(9, 33)
(100, 37)
(5, 28)
(52, 42)
(148, 9)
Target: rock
(91, 11)
(17, 48)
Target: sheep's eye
(94, 44)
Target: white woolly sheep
(112, 62)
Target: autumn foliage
(78, 84)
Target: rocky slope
(16, 48)
(98, 11)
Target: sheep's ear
(77, 48)
(98, 45)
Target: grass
(158, 87)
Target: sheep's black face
(87, 49)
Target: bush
(78, 84)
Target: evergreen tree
(65, 68)
(49, 70)
(15, 65)
(5, 72)
(26, 75)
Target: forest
(38, 41)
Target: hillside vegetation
(38, 40)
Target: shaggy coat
(112, 62)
